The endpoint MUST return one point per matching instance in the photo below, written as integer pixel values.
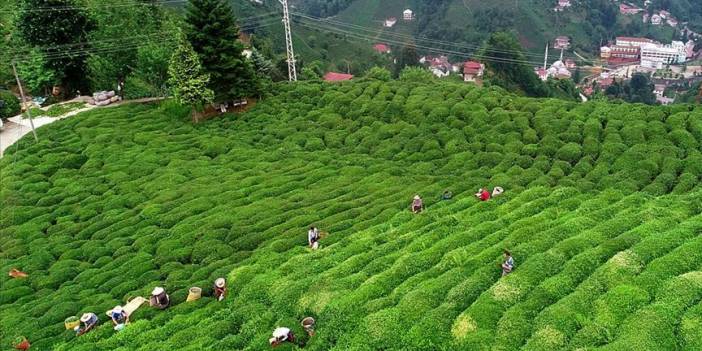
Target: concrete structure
(656, 20)
(625, 52)
(633, 41)
(628, 9)
(407, 15)
(390, 22)
(561, 42)
(672, 22)
(605, 52)
(657, 56)
(381, 48)
(337, 77)
(659, 89)
(472, 71)
(558, 70)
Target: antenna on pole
(292, 71)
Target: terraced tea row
(601, 213)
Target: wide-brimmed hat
(157, 291)
(85, 317)
(219, 282)
(416, 197)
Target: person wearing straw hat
(497, 191)
(119, 316)
(281, 335)
(89, 321)
(159, 298)
(219, 289)
(417, 204)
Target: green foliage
(37, 77)
(416, 75)
(9, 104)
(214, 35)
(601, 212)
(188, 81)
(379, 73)
(69, 25)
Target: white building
(656, 20)
(657, 56)
(390, 22)
(633, 41)
(407, 15)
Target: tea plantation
(601, 211)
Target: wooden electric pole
(29, 114)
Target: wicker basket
(71, 322)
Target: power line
(426, 48)
(409, 37)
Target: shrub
(9, 104)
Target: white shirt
(281, 333)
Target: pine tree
(408, 58)
(187, 79)
(63, 26)
(214, 35)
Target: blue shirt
(510, 262)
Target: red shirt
(484, 195)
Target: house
(672, 22)
(558, 70)
(664, 14)
(656, 20)
(690, 49)
(441, 63)
(337, 77)
(605, 83)
(562, 4)
(472, 71)
(570, 64)
(605, 52)
(390, 22)
(407, 15)
(440, 71)
(381, 48)
(542, 73)
(664, 100)
(645, 18)
(628, 9)
(659, 89)
(561, 42)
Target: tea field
(601, 211)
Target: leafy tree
(187, 78)
(214, 35)
(60, 32)
(507, 65)
(416, 74)
(34, 72)
(408, 58)
(379, 73)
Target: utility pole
(29, 114)
(546, 56)
(292, 71)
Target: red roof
(337, 77)
(472, 67)
(381, 48)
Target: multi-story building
(657, 56)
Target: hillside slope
(602, 213)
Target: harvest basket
(71, 322)
(21, 343)
(308, 325)
(194, 294)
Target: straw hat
(416, 197)
(219, 282)
(157, 291)
(85, 317)
(117, 309)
